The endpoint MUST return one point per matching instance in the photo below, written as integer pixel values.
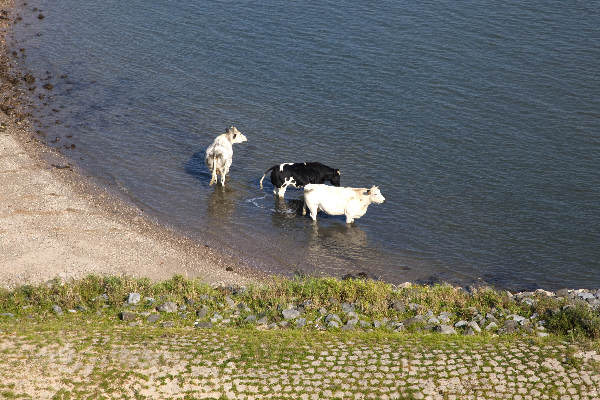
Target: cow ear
(338, 172)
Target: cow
(299, 175)
(351, 202)
(219, 154)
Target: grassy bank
(306, 304)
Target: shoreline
(56, 222)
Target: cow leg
(349, 219)
(313, 212)
(213, 178)
(304, 208)
(281, 192)
(223, 180)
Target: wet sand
(54, 222)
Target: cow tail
(265, 174)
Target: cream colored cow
(351, 202)
(219, 154)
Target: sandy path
(55, 223)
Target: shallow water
(480, 122)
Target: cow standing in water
(219, 154)
(299, 175)
(351, 202)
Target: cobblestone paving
(213, 365)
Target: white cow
(351, 202)
(219, 154)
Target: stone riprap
(517, 315)
(222, 364)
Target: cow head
(235, 136)
(335, 179)
(375, 195)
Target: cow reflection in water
(222, 203)
(337, 237)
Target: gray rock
(352, 315)
(377, 324)
(229, 301)
(594, 303)
(399, 327)
(348, 327)
(364, 324)
(433, 320)
(347, 307)
(167, 324)
(204, 325)
(469, 332)
(398, 306)
(284, 324)
(586, 296)
(216, 318)
(491, 325)
(152, 318)
(168, 307)
(517, 318)
(322, 311)
(127, 316)
(597, 294)
(510, 326)
(475, 326)
(446, 330)
(414, 306)
(352, 322)
(250, 318)
(273, 326)
(460, 323)
(133, 298)
(262, 321)
(444, 317)
(203, 312)
(333, 317)
(300, 322)
(333, 324)
(542, 334)
(290, 313)
(418, 319)
(562, 293)
(490, 317)
(57, 309)
(530, 302)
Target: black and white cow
(299, 175)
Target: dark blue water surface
(480, 122)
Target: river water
(479, 121)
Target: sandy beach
(56, 223)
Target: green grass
(99, 299)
